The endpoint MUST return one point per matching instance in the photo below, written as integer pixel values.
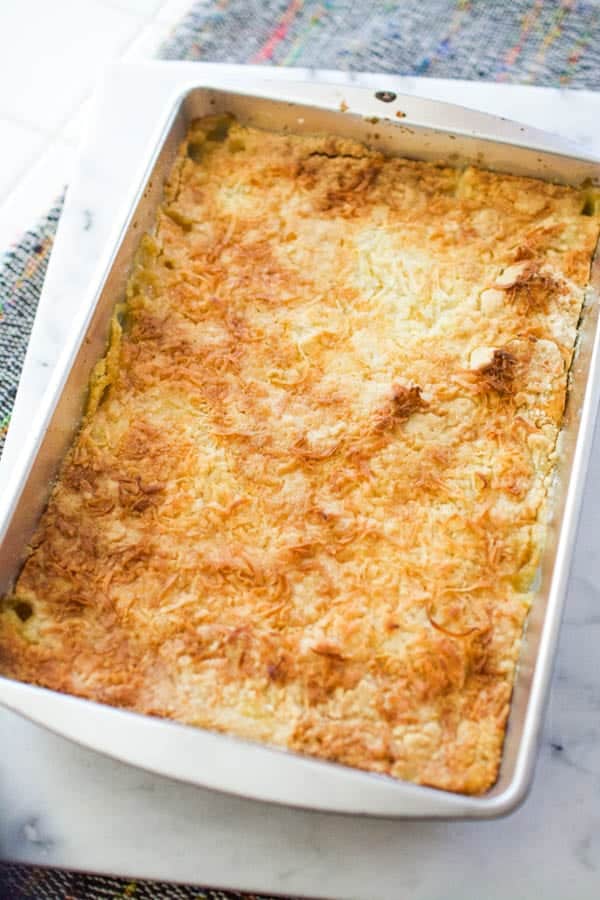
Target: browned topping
(538, 240)
(404, 402)
(499, 374)
(304, 507)
(137, 496)
(532, 289)
(329, 649)
(337, 182)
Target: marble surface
(64, 806)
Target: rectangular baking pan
(398, 125)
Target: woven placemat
(554, 42)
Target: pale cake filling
(308, 500)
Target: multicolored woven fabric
(535, 41)
(21, 278)
(33, 883)
(548, 42)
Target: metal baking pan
(398, 125)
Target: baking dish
(232, 764)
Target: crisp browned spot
(142, 441)
(368, 746)
(79, 477)
(437, 666)
(523, 252)
(337, 183)
(499, 374)
(403, 403)
(329, 649)
(137, 495)
(23, 609)
(303, 450)
(537, 240)
(147, 328)
(533, 289)
(282, 669)
(322, 676)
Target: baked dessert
(308, 499)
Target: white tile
(144, 46)
(75, 127)
(53, 52)
(35, 193)
(171, 11)
(20, 145)
(147, 43)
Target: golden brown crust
(307, 502)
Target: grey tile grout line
(21, 173)
(21, 123)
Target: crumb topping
(307, 502)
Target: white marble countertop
(61, 805)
